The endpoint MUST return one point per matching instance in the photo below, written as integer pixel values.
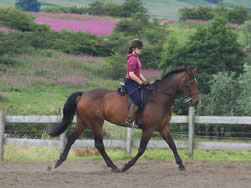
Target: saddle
(145, 90)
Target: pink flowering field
(6, 29)
(99, 25)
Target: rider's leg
(130, 122)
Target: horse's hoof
(182, 168)
(116, 170)
(58, 163)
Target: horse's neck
(170, 85)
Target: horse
(95, 106)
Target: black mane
(173, 72)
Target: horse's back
(103, 104)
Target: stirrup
(131, 124)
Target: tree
(131, 7)
(238, 14)
(28, 5)
(211, 49)
(247, 34)
(244, 100)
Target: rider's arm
(135, 78)
(142, 77)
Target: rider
(134, 79)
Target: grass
(41, 81)
(32, 153)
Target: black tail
(68, 115)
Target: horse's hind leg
(146, 135)
(169, 140)
(98, 137)
(70, 140)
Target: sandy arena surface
(145, 174)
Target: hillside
(158, 8)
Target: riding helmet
(136, 43)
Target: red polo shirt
(133, 65)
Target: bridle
(186, 98)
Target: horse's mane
(178, 70)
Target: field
(158, 8)
(99, 25)
(144, 174)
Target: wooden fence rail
(191, 119)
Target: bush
(16, 19)
(115, 66)
(7, 60)
(57, 9)
(96, 8)
(80, 43)
(238, 14)
(117, 42)
(131, 7)
(13, 43)
(112, 9)
(129, 27)
(200, 13)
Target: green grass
(41, 81)
(31, 153)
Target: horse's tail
(69, 110)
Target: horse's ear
(194, 70)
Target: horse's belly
(115, 108)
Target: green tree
(28, 5)
(238, 14)
(244, 100)
(222, 100)
(247, 32)
(96, 8)
(211, 49)
(131, 7)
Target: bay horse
(94, 106)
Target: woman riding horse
(94, 106)
(134, 78)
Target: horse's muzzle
(195, 100)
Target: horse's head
(189, 87)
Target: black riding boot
(130, 122)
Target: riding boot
(130, 122)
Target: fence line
(191, 119)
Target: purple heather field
(99, 25)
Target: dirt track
(145, 174)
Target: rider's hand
(145, 83)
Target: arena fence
(191, 120)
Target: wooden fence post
(1, 135)
(62, 137)
(191, 131)
(129, 141)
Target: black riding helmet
(136, 43)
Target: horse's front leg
(146, 135)
(169, 140)
(98, 137)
